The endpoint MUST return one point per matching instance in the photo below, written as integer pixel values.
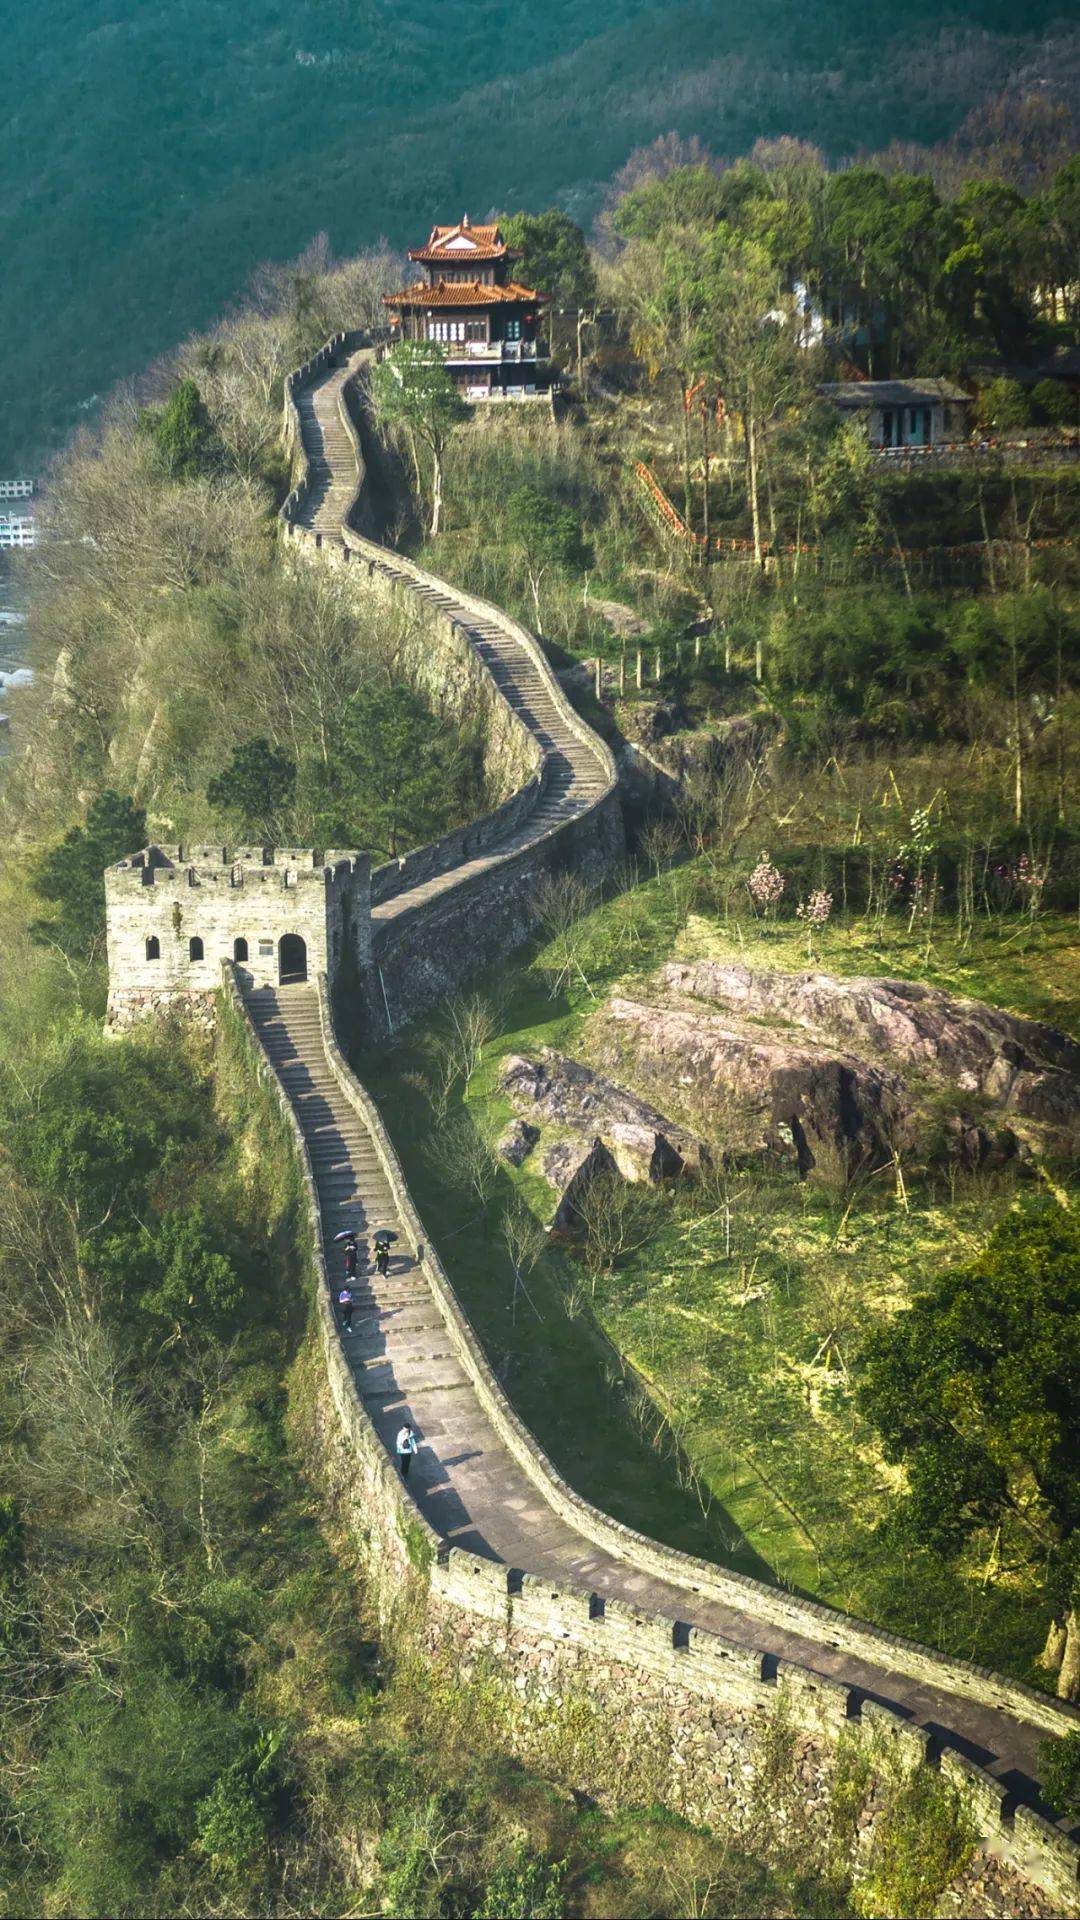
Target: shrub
(1003, 403)
(1053, 403)
(1059, 1761)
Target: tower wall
(173, 914)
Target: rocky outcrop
(1020, 1067)
(517, 1142)
(570, 1167)
(642, 1144)
(806, 1103)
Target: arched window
(153, 948)
(195, 948)
(239, 948)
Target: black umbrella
(383, 1237)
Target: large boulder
(641, 1142)
(816, 1105)
(570, 1167)
(1019, 1066)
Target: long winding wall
(516, 1562)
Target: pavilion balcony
(497, 350)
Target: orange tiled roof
(486, 244)
(463, 293)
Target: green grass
(703, 1392)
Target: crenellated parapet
(174, 913)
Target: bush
(1003, 403)
(1059, 1762)
(1054, 403)
(921, 1842)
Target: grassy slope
(151, 156)
(688, 1394)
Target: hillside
(151, 157)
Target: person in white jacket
(405, 1447)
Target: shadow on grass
(557, 1367)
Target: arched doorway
(292, 958)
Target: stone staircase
(575, 775)
(465, 1480)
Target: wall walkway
(500, 1529)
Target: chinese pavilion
(488, 322)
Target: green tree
(546, 534)
(195, 1284)
(1053, 402)
(687, 197)
(554, 256)
(1003, 403)
(1059, 1773)
(182, 431)
(976, 1390)
(389, 772)
(413, 390)
(73, 873)
(257, 786)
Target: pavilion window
(153, 948)
(195, 948)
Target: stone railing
(461, 844)
(752, 1597)
(693, 1657)
(401, 1525)
(696, 1660)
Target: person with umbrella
(383, 1239)
(348, 1236)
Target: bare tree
(563, 900)
(525, 1241)
(462, 1158)
(617, 1220)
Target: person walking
(405, 1447)
(345, 1307)
(350, 1259)
(382, 1257)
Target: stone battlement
(174, 913)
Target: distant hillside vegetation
(152, 155)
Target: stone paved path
(466, 1482)
(575, 775)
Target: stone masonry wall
(680, 1705)
(176, 895)
(686, 1691)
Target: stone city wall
(679, 1708)
(692, 1679)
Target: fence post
(639, 669)
(656, 675)
(598, 671)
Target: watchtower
(282, 914)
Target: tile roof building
(903, 413)
(488, 322)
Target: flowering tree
(814, 913)
(765, 886)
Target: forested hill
(151, 155)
